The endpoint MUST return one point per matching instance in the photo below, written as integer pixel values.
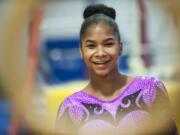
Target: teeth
(100, 62)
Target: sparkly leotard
(130, 111)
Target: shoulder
(72, 108)
(150, 82)
(152, 89)
(68, 102)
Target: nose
(100, 52)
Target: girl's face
(100, 49)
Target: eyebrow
(91, 41)
(108, 39)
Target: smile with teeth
(100, 62)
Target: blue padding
(66, 64)
(62, 43)
(5, 109)
(123, 63)
(5, 113)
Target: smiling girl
(112, 102)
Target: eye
(109, 44)
(90, 46)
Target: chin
(102, 74)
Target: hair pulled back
(95, 14)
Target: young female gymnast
(112, 102)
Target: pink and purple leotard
(130, 111)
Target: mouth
(101, 62)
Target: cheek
(86, 55)
(114, 52)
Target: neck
(106, 85)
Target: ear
(120, 48)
